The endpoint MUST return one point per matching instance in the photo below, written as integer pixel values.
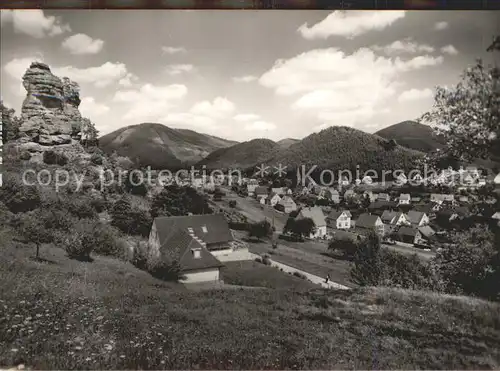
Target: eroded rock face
(49, 112)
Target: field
(251, 273)
(64, 314)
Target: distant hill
(413, 135)
(242, 155)
(159, 146)
(287, 142)
(335, 148)
(339, 148)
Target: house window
(204, 229)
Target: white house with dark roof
(369, 222)
(273, 199)
(192, 241)
(286, 204)
(404, 199)
(340, 219)
(317, 216)
(418, 218)
(394, 217)
(212, 229)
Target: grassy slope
(251, 273)
(107, 314)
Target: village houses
(404, 199)
(286, 205)
(339, 219)
(383, 197)
(260, 193)
(418, 218)
(273, 199)
(368, 222)
(317, 216)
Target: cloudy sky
(247, 74)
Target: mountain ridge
(160, 146)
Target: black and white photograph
(249, 189)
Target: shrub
(260, 230)
(348, 247)
(232, 203)
(140, 255)
(17, 196)
(96, 159)
(166, 271)
(80, 244)
(266, 260)
(82, 209)
(299, 275)
(106, 242)
(54, 158)
(25, 156)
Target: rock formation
(49, 112)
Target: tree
(10, 124)
(89, 133)
(134, 184)
(348, 247)
(471, 263)
(174, 200)
(260, 230)
(365, 202)
(467, 115)
(232, 203)
(33, 229)
(299, 228)
(121, 214)
(17, 196)
(368, 269)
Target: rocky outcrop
(49, 112)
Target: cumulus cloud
(16, 69)
(260, 126)
(418, 62)
(335, 86)
(18, 66)
(415, 94)
(404, 46)
(101, 76)
(128, 80)
(219, 108)
(449, 49)
(34, 23)
(245, 117)
(80, 44)
(350, 24)
(189, 119)
(177, 69)
(247, 78)
(90, 108)
(203, 115)
(172, 50)
(439, 26)
(150, 102)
